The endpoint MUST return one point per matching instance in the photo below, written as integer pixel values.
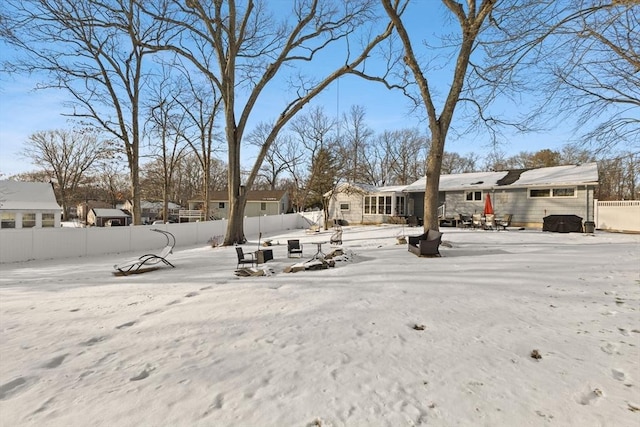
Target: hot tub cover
(562, 223)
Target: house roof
(353, 187)
(27, 196)
(252, 196)
(110, 213)
(557, 175)
(145, 204)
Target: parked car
(159, 221)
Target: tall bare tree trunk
(237, 202)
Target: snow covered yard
(383, 339)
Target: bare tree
(200, 104)
(456, 163)
(595, 64)
(484, 53)
(376, 162)
(323, 179)
(188, 184)
(407, 151)
(619, 177)
(470, 19)
(279, 158)
(314, 131)
(241, 47)
(293, 157)
(354, 143)
(112, 178)
(95, 51)
(166, 126)
(66, 156)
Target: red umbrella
(488, 207)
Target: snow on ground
(383, 339)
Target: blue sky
(23, 110)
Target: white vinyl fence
(618, 215)
(65, 242)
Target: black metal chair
(465, 221)
(294, 247)
(242, 258)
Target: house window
(473, 196)
(387, 205)
(8, 220)
(555, 192)
(221, 205)
(564, 192)
(539, 192)
(28, 220)
(263, 206)
(48, 220)
(344, 206)
(399, 205)
(377, 205)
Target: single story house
(151, 211)
(528, 195)
(28, 205)
(259, 203)
(108, 217)
(366, 204)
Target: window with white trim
(8, 220)
(552, 192)
(28, 220)
(48, 220)
(380, 205)
(473, 196)
(345, 206)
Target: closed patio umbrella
(488, 207)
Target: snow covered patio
(383, 339)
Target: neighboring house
(527, 194)
(28, 205)
(366, 204)
(259, 203)
(83, 209)
(151, 211)
(108, 217)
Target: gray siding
(525, 210)
(356, 207)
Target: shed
(105, 217)
(28, 205)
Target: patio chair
(489, 222)
(294, 247)
(412, 221)
(465, 221)
(147, 262)
(476, 221)
(426, 244)
(505, 221)
(243, 258)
